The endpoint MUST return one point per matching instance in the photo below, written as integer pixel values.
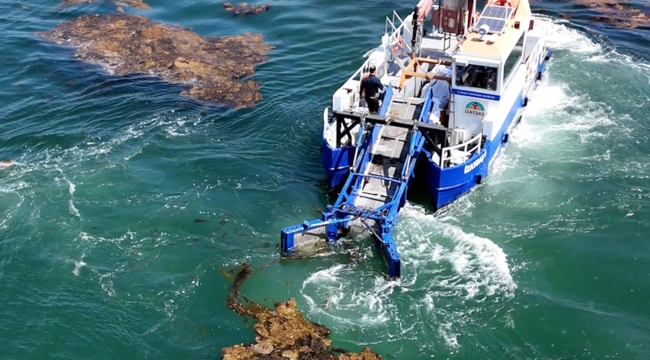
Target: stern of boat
(461, 168)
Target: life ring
(399, 46)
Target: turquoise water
(126, 201)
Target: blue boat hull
(446, 185)
(336, 162)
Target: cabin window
(477, 76)
(514, 58)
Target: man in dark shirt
(370, 88)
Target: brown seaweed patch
(282, 333)
(139, 4)
(617, 13)
(597, 3)
(210, 68)
(631, 19)
(244, 8)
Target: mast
(421, 11)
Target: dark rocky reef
(244, 8)
(617, 13)
(120, 3)
(282, 333)
(210, 69)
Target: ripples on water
(127, 199)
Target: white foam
(482, 264)
(428, 301)
(13, 188)
(448, 275)
(480, 267)
(561, 37)
(176, 126)
(107, 284)
(130, 139)
(338, 292)
(446, 331)
(78, 265)
(463, 270)
(72, 187)
(73, 210)
(548, 97)
(556, 114)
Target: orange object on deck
(502, 3)
(411, 70)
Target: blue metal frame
(338, 216)
(337, 161)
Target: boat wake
(448, 275)
(465, 265)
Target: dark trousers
(373, 104)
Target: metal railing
(393, 35)
(458, 154)
(329, 129)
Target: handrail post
(360, 135)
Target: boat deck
(431, 45)
(434, 42)
(382, 176)
(385, 169)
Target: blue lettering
(475, 164)
(476, 94)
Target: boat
(456, 83)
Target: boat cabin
(481, 65)
(488, 81)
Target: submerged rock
(617, 13)
(211, 69)
(119, 3)
(244, 8)
(283, 333)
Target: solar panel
(496, 25)
(496, 17)
(495, 11)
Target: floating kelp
(244, 8)
(596, 3)
(120, 3)
(211, 68)
(283, 333)
(617, 13)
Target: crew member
(370, 89)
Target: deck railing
(395, 28)
(329, 129)
(460, 153)
(393, 35)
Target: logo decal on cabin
(475, 108)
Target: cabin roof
(473, 45)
